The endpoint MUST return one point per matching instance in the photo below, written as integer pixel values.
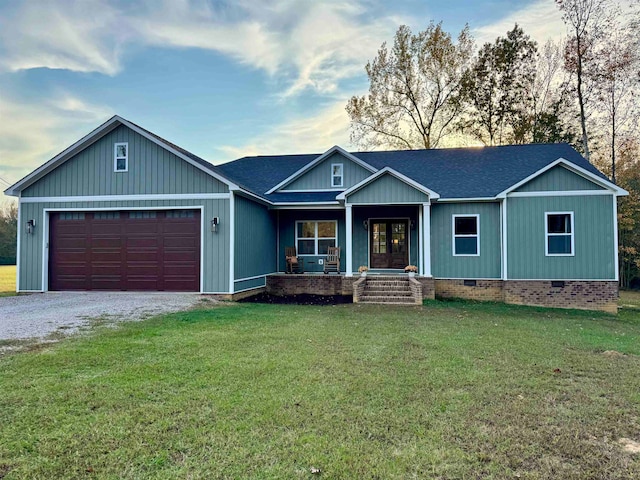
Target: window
(121, 157)
(559, 233)
(466, 235)
(336, 175)
(315, 238)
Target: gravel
(37, 316)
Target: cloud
(306, 45)
(317, 133)
(38, 130)
(540, 20)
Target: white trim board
(573, 168)
(253, 278)
(560, 193)
(388, 170)
(93, 137)
(317, 160)
(116, 198)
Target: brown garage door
(126, 250)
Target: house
(124, 209)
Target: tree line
(432, 89)
(8, 233)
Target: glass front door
(389, 243)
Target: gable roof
(388, 171)
(454, 173)
(96, 134)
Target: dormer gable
(334, 170)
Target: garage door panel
(141, 250)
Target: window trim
(454, 235)
(315, 238)
(116, 157)
(547, 235)
(341, 165)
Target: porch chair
(294, 263)
(332, 262)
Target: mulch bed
(302, 299)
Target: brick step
(388, 283)
(382, 292)
(388, 299)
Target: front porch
(374, 288)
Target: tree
(413, 99)
(585, 20)
(629, 213)
(8, 233)
(498, 90)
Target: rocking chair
(332, 262)
(294, 263)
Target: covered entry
(389, 243)
(138, 250)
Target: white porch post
(349, 235)
(420, 243)
(426, 235)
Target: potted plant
(363, 270)
(411, 270)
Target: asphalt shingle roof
(453, 173)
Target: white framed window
(465, 235)
(337, 177)
(314, 237)
(121, 157)
(558, 232)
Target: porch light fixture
(412, 225)
(31, 225)
(215, 221)
(365, 224)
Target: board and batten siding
(558, 179)
(319, 176)
(215, 246)
(254, 243)
(443, 263)
(387, 189)
(594, 257)
(286, 221)
(152, 170)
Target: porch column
(426, 235)
(420, 243)
(349, 234)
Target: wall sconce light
(31, 225)
(215, 221)
(365, 224)
(412, 225)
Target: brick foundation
(484, 290)
(297, 284)
(591, 295)
(428, 287)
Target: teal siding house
(124, 209)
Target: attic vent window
(336, 175)
(121, 157)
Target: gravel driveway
(40, 315)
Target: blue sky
(222, 79)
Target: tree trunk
(583, 121)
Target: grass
(7, 280)
(448, 390)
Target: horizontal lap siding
(443, 263)
(387, 189)
(319, 177)
(255, 242)
(152, 170)
(215, 245)
(558, 179)
(594, 246)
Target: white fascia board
(252, 196)
(432, 195)
(319, 159)
(575, 169)
(81, 144)
(94, 136)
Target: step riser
(388, 290)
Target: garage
(138, 250)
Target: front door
(389, 240)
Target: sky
(223, 79)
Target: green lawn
(450, 390)
(7, 281)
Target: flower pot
(412, 274)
